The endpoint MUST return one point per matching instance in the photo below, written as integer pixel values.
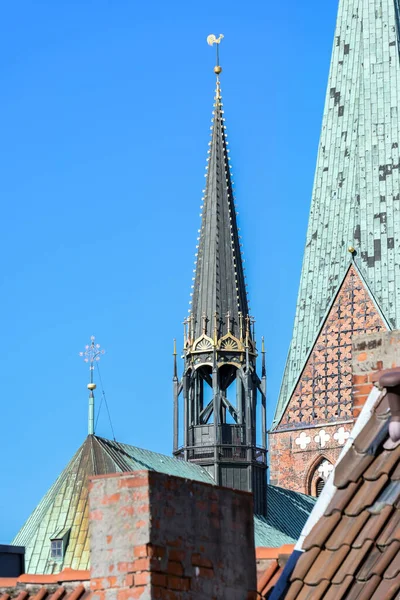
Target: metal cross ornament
(91, 354)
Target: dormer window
(57, 551)
(59, 543)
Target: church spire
(219, 301)
(219, 383)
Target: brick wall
(322, 398)
(299, 453)
(372, 354)
(156, 536)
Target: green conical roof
(64, 509)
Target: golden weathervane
(211, 40)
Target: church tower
(350, 281)
(220, 386)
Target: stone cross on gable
(303, 440)
(322, 437)
(341, 435)
(324, 469)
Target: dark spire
(219, 296)
(220, 384)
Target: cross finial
(91, 354)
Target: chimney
(163, 537)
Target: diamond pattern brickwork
(323, 393)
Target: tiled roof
(276, 559)
(67, 585)
(65, 506)
(353, 549)
(288, 511)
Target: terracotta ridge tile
(396, 473)
(77, 593)
(391, 530)
(381, 408)
(373, 527)
(22, 595)
(377, 561)
(351, 467)
(347, 531)
(342, 497)
(59, 593)
(321, 530)
(326, 565)
(352, 562)
(337, 591)
(393, 569)
(366, 495)
(313, 592)
(42, 593)
(384, 463)
(294, 590)
(386, 590)
(372, 435)
(361, 590)
(304, 563)
(266, 576)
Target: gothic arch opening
(318, 476)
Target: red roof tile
(66, 585)
(353, 550)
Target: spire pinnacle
(91, 354)
(211, 40)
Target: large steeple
(219, 299)
(220, 383)
(350, 281)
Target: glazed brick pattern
(294, 468)
(163, 537)
(324, 394)
(324, 391)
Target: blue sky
(105, 112)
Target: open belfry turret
(219, 386)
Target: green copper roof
(355, 199)
(65, 506)
(64, 510)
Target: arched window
(318, 476)
(319, 486)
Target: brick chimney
(162, 537)
(373, 354)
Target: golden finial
(262, 345)
(211, 40)
(351, 249)
(174, 352)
